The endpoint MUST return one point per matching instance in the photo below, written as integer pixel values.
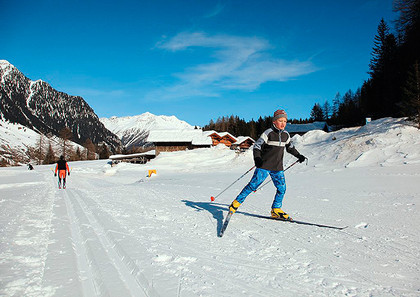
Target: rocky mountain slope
(36, 105)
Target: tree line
(392, 89)
(393, 86)
(236, 126)
(49, 148)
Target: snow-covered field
(115, 232)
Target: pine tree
(376, 62)
(77, 155)
(65, 136)
(349, 113)
(316, 113)
(411, 91)
(326, 109)
(380, 93)
(409, 20)
(90, 149)
(211, 125)
(39, 149)
(104, 152)
(336, 102)
(50, 156)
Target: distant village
(189, 139)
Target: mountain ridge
(38, 106)
(133, 130)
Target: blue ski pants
(257, 179)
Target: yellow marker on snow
(151, 171)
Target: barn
(215, 137)
(139, 158)
(227, 138)
(178, 140)
(221, 137)
(243, 143)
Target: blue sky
(197, 60)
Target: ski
(225, 224)
(301, 222)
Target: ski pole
(283, 170)
(214, 198)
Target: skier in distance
(268, 157)
(62, 167)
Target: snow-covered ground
(115, 232)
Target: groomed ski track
(122, 234)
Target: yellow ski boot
(279, 214)
(234, 206)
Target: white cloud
(217, 10)
(241, 63)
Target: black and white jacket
(270, 147)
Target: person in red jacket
(62, 168)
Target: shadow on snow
(215, 209)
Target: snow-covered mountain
(36, 105)
(133, 130)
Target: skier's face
(280, 123)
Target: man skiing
(268, 157)
(62, 167)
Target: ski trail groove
(126, 258)
(128, 272)
(85, 272)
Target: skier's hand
(258, 162)
(69, 173)
(301, 158)
(55, 174)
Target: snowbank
(383, 142)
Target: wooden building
(243, 143)
(214, 137)
(221, 137)
(227, 138)
(140, 158)
(178, 140)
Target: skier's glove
(258, 162)
(301, 158)
(55, 174)
(69, 173)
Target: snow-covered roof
(120, 156)
(241, 139)
(210, 132)
(223, 134)
(195, 136)
(300, 128)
